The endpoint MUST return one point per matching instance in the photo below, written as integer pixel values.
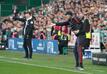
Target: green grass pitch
(12, 62)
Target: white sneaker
(7, 48)
(84, 57)
(79, 68)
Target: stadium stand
(54, 12)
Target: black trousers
(61, 46)
(28, 47)
(61, 49)
(102, 46)
(78, 50)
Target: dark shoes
(79, 68)
(28, 57)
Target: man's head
(27, 14)
(69, 14)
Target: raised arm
(19, 19)
(63, 23)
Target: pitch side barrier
(39, 46)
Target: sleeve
(63, 23)
(19, 19)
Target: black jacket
(74, 25)
(86, 25)
(63, 40)
(28, 27)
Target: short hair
(27, 12)
(69, 13)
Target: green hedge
(6, 6)
(6, 9)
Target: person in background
(15, 34)
(87, 29)
(42, 35)
(7, 25)
(36, 34)
(63, 42)
(15, 11)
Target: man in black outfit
(77, 27)
(63, 42)
(27, 33)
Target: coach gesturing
(27, 33)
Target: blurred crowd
(49, 14)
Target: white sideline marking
(5, 59)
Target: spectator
(63, 42)
(42, 35)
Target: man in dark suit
(27, 33)
(76, 25)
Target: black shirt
(74, 26)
